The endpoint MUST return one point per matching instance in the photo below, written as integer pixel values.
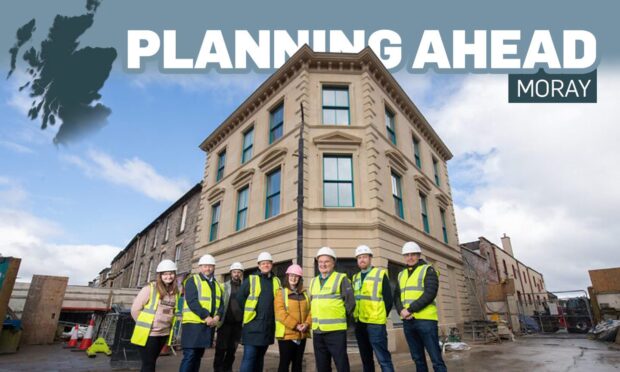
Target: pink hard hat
(295, 269)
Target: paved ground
(530, 353)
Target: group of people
(256, 309)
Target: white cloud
(133, 173)
(28, 237)
(545, 174)
(11, 193)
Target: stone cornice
(396, 161)
(216, 194)
(306, 59)
(242, 178)
(272, 158)
(337, 138)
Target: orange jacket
(298, 312)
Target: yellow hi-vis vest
(327, 306)
(204, 298)
(280, 327)
(412, 288)
(369, 305)
(249, 310)
(147, 316)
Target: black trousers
(331, 345)
(228, 337)
(150, 352)
(291, 354)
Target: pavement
(557, 352)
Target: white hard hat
(363, 249)
(264, 256)
(411, 247)
(207, 259)
(236, 266)
(326, 251)
(166, 265)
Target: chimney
(506, 245)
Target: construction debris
(606, 330)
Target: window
(336, 105)
(146, 237)
(177, 254)
(398, 195)
(215, 221)
(444, 228)
(167, 232)
(514, 272)
(248, 144)
(183, 219)
(272, 205)
(337, 181)
(505, 268)
(524, 277)
(276, 123)
(435, 171)
(156, 237)
(139, 278)
(424, 211)
(389, 123)
(242, 208)
(416, 153)
(148, 273)
(221, 163)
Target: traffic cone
(74, 338)
(88, 337)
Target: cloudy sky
(544, 174)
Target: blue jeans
(423, 334)
(253, 358)
(373, 337)
(191, 359)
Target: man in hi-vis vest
(414, 298)
(332, 302)
(259, 320)
(373, 301)
(202, 311)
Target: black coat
(261, 330)
(198, 335)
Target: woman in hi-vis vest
(154, 310)
(293, 319)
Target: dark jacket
(261, 330)
(431, 286)
(198, 335)
(233, 313)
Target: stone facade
(171, 235)
(364, 160)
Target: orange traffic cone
(74, 338)
(88, 337)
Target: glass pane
(344, 169)
(241, 220)
(243, 199)
(273, 183)
(345, 194)
(277, 133)
(329, 98)
(329, 116)
(331, 194)
(395, 185)
(277, 116)
(330, 168)
(247, 139)
(216, 213)
(342, 98)
(423, 204)
(342, 117)
(273, 206)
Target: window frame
(245, 189)
(417, 154)
(436, 171)
(215, 223)
(330, 87)
(395, 179)
(339, 181)
(221, 165)
(245, 149)
(268, 196)
(390, 124)
(273, 128)
(444, 227)
(183, 222)
(424, 213)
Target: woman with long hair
(154, 310)
(293, 320)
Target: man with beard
(229, 333)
